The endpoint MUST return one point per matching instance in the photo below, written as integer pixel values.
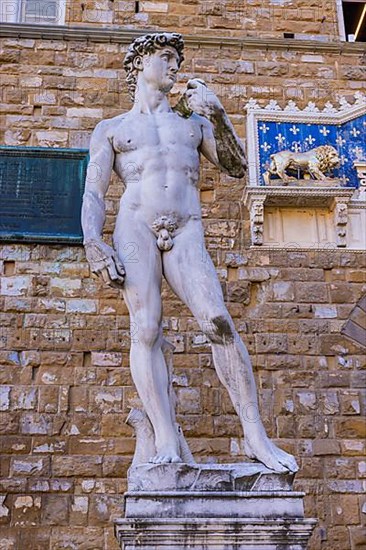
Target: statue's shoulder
(200, 120)
(107, 126)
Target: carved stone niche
(285, 215)
(361, 174)
(307, 175)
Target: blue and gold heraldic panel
(41, 193)
(348, 138)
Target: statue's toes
(288, 461)
(165, 459)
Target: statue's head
(140, 56)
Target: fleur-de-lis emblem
(358, 151)
(310, 139)
(263, 128)
(296, 146)
(294, 129)
(280, 139)
(324, 131)
(340, 141)
(266, 146)
(354, 132)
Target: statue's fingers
(113, 275)
(192, 101)
(119, 266)
(192, 84)
(195, 83)
(103, 273)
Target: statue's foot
(263, 449)
(166, 452)
(165, 458)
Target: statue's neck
(149, 100)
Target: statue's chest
(169, 131)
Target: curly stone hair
(148, 44)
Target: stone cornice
(125, 36)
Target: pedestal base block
(213, 534)
(212, 507)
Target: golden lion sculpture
(315, 162)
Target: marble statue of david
(160, 212)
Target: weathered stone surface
(216, 533)
(226, 490)
(233, 72)
(206, 477)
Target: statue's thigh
(136, 248)
(189, 271)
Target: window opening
(354, 16)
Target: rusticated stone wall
(54, 92)
(263, 18)
(64, 338)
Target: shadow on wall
(355, 326)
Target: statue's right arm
(96, 183)
(102, 259)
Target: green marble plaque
(41, 192)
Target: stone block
(326, 447)
(5, 398)
(350, 402)
(283, 291)
(30, 466)
(340, 467)
(49, 445)
(15, 286)
(350, 427)
(79, 510)
(55, 509)
(84, 112)
(24, 398)
(344, 510)
(82, 538)
(84, 305)
(35, 538)
(106, 400)
(26, 511)
(312, 292)
(156, 7)
(82, 466)
(105, 359)
(103, 507)
(358, 535)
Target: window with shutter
(40, 11)
(352, 20)
(33, 11)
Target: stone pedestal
(215, 507)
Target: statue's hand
(201, 99)
(104, 262)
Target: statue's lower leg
(234, 369)
(150, 376)
(153, 444)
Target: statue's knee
(219, 329)
(148, 332)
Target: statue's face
(160, 68)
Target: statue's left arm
(220, 143)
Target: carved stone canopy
(272, 129)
